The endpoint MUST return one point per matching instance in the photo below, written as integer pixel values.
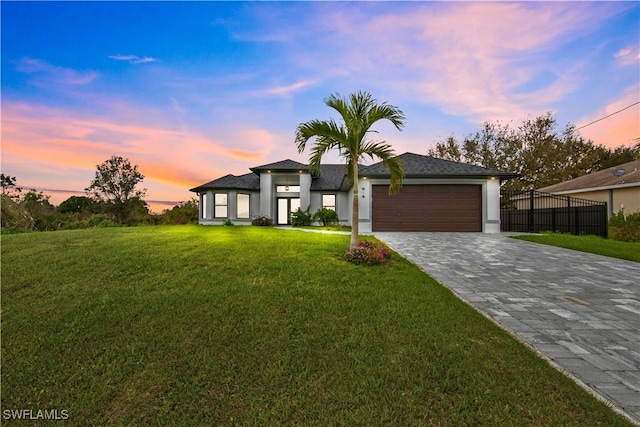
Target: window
(288, 189)
(243, 206)
(205, 205)
(329, 201)
(220, 205)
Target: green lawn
(190, 325)
(593, 244)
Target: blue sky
(191, 91)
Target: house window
(243, 206)
(329, 201)
(205, 205)
(220, 205)
(288, 188)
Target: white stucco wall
(266, 195)
(491, 206)
(232, 207)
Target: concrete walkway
(580, 311)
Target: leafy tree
(184, 213)
(115, 185)
(612, 157)
(359, 112)
(9, 187)
(41, 210)
(79, 204)
(13, 216)
(537, 150)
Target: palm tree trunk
(355, 216)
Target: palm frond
(318, 128)
(385, 152)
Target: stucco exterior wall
(265, 195)
(626, 198)
(206, 207)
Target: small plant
(625, 228)
(301, 218)
(227, 222)
(369, 253)
(326, 217)
(263, 221)
(99, 221)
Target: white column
(492, 210)
(305, 191)
(265, 195)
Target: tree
(37, 204)
(184, 213)
(536, 150)
(78, 204)
(359, 112)
(9, 187)
(115, 185)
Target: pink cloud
(172, 160)
(621, 128)
(471, 59)
(285, 90)
(628, 56)
(46, 73)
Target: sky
(192, 91)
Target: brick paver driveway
(581, 311)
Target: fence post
(531, 209)
(605, 222)
(568, 214)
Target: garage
(437, 207)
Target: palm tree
(350, 137)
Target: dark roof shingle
(332, 178)
(249, 181)
(284, 165)
(419, 166)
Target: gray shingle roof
(332, 178)
(284, 165)
(250, 182)
(419, 166)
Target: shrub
(369, 253)
(263, 221)
(625, 228)
(227, 222)
(326, 216)
(301, 218)
(14, 217)
(99, 221)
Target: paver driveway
(581, 311)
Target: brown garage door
(428, 208)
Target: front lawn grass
(586, 243)
(192, 325)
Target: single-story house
(437, 195)
(619, 186)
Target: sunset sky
(192, 91)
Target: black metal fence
(533, 212)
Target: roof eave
(502, 176)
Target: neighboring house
(619, 186)
(437, 195)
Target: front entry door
(285, 207)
